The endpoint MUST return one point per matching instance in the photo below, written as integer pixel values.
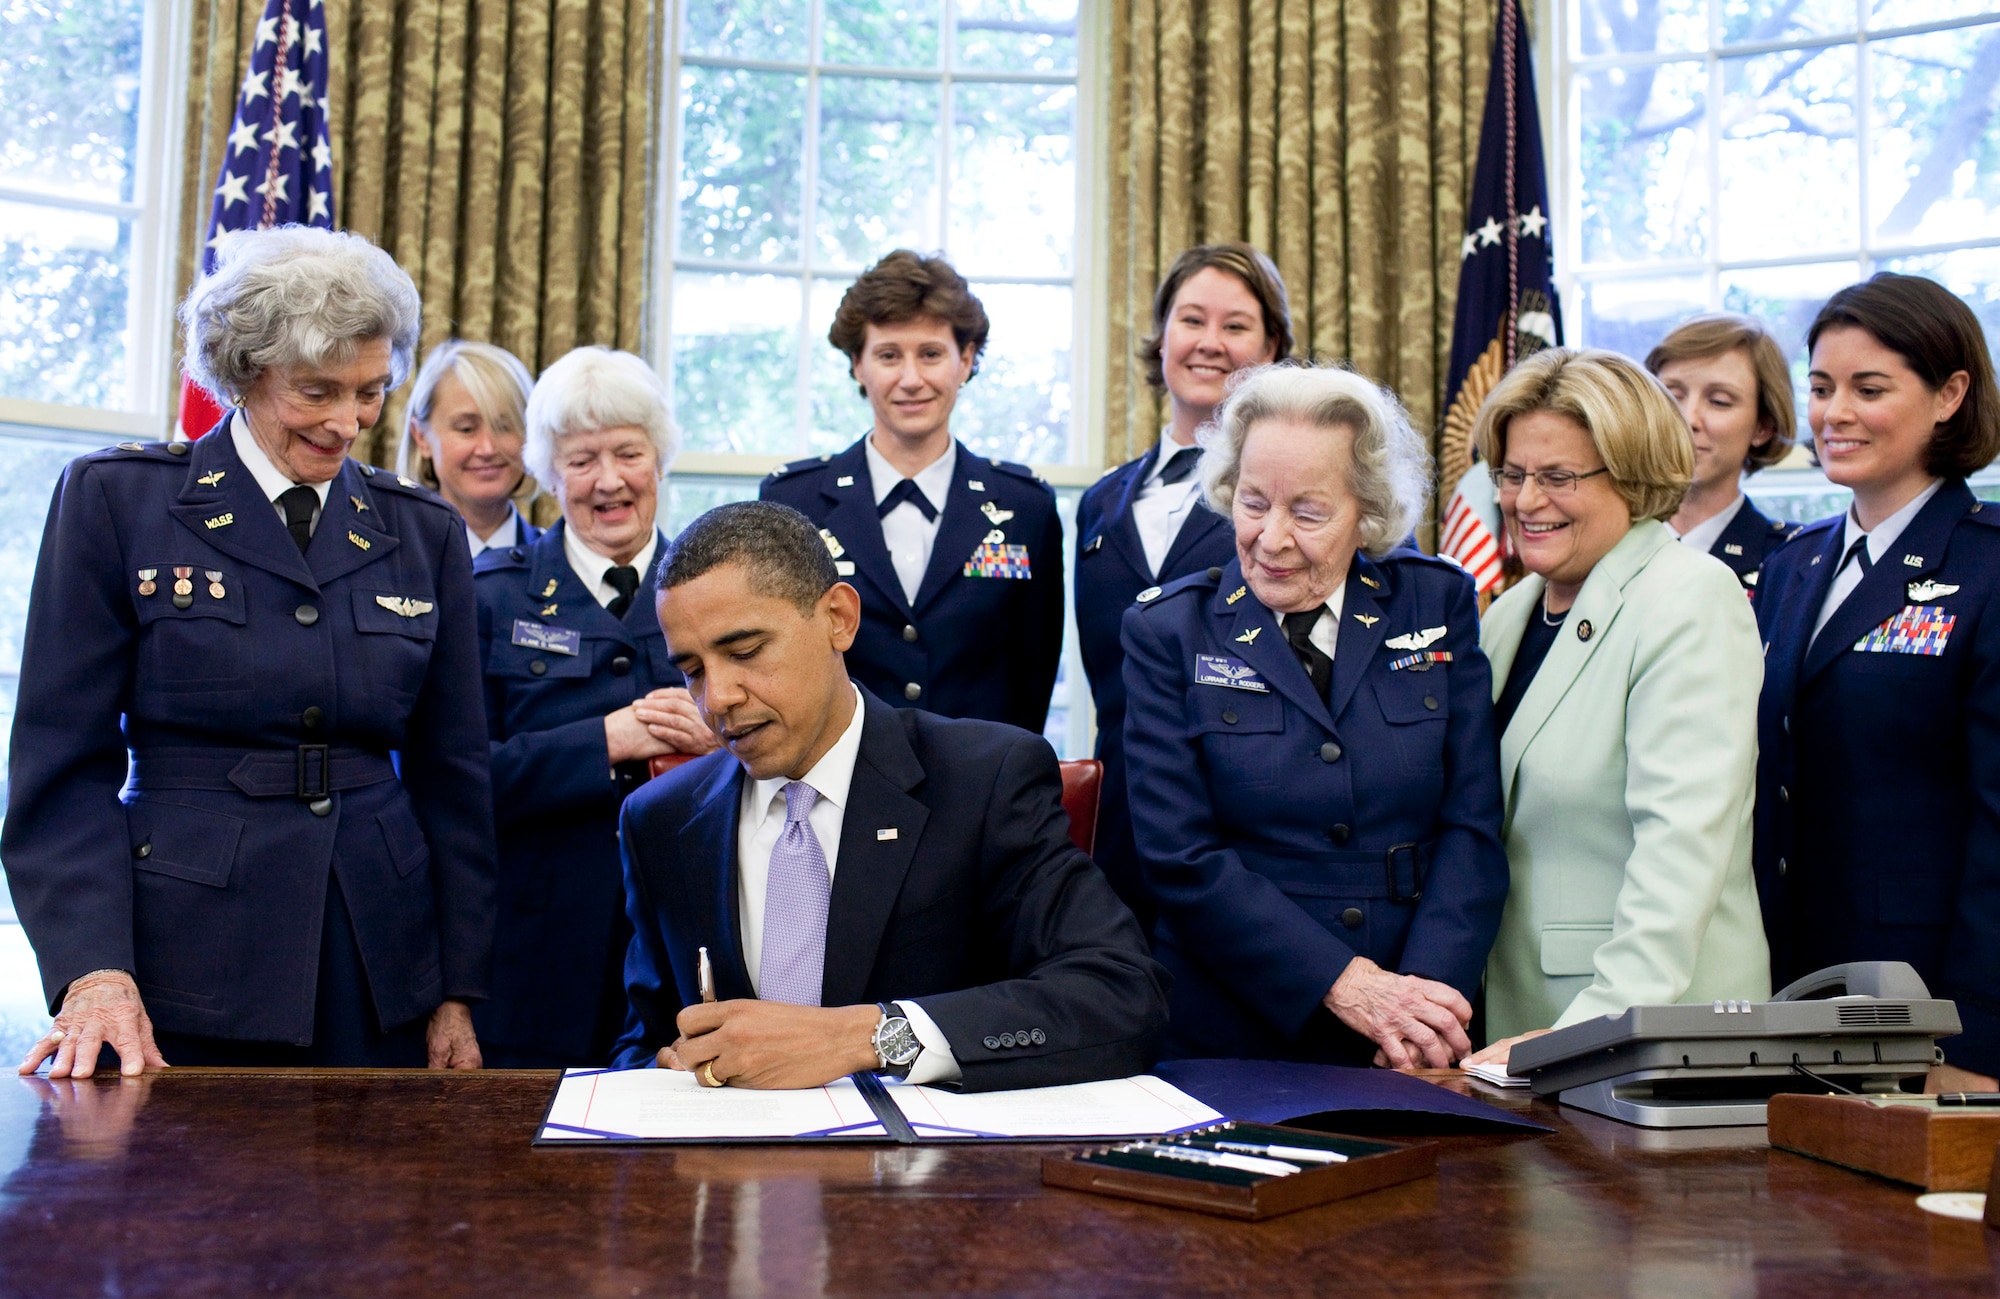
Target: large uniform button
(144, 850)
(1352, 917)
(909, 633)
(1430, 702)
(538, 667)
(1229, 718)
(1329, 752)
(1339, 833)
(313, 717)
(306, 614)
(620, 666)
(320, 806)
(912, 690)
(1781, 866)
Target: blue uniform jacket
(1749, 539)
(982, 643)
(557, 989)
(1110, 571)
(1282, 837)
(1878, 770)
(207, 877)
(978, 905)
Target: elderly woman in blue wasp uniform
(1220, 309)
(1627, 675)
(1313, 775)
(1878, 781)
(579, 696)
(249, 820)
(462, 437)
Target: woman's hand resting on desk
(1498, 1051)
(102, 1007)
(1417, 1023)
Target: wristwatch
(896, 1044)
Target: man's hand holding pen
(768, 1043)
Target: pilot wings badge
(404, 605)
(1220, 670)
(1926, 591)
(1415, 640)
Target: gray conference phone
(1861, 1027)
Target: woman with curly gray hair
(213, 851)
(1313, 769)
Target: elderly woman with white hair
(249, 820)
(462, 436)
(1313, 768)
(579, 697)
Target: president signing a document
(878, 889)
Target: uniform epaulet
(1206, 580)
(173, 453)
(1817, 528)
(1019, 471)
(1986, 512)
(500, 559)
(797, 466)
(383, 481)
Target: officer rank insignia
(1415, 640)
(1234, 674)
(1420, 661)
(833, 546)
(1148, 595)
(404, 606)
(1918, 629)
(992, 559)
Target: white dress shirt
(905, 531)
(503, 536)
(761, 819)
(1703, 536)
(1326, 632)
(1880, 540)
(269, 478)
(1159, 510)
(590, 567)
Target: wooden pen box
(1370, 1166)
(1939, 1149)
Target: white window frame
(154, 214)
(1086, 439)
(1561, 114)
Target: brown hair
(1937, 335)
(1703, 337)
(1246, 264)
(1632, 421)
(903, 287)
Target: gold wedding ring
(707, 1072)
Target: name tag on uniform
(1918, 629)
(555, 640)
(1220, 670)
(995, 560)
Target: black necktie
(298, 503)
(624, 579)
(907, 491)
(1298, 630)
(1857, 554)
(1181, 467)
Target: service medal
(183, 584)
(146, 584)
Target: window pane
(690, 498)
(1746, 22)
(878, 162)
(1622, 27)
(1644, 163)
(1630, 316)
(840, 413)
(1013, 190)
(741, 164)
(881, 33)
(776, 30)
(69, 94)
(735, 354)
(1789, 180)
(1785, 299)
(1909, 13)
(1934, 151)
(1018, 406)
(1017, 35)
(1972, 273)
(63, 283)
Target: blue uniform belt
(1396, 873)
(310, 771)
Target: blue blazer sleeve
(1040, 657)
(653, 1002)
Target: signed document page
(668, 1105)
(1120, 1107)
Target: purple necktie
(795, 901)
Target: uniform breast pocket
(197, 648)
(186, 842)
(516, 663)
(1238, 733)
(396, 635)
(1417, 706)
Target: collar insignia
(1236, 595)
(219, 521)
(974, 485)
(360, 506)
(360, 541)
(1731, 548)
(548, 611)
(1914, 561)
(210, 480)
(1250, 637)
(1366, 619)
(845, 480)
(1369, 582)
(550, 589)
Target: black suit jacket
(979, 907)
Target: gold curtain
(501, 150)
(1337, 135)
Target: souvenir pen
(1215, 1159)
(1297, 1154)
(704, 974)
(1969, 1098)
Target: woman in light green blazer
(1625, 672)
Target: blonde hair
(1702, 337)
(496, 381)
(1390, 473)
(1632, 421)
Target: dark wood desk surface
(201, 1182)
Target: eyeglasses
(1553, 482)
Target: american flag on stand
(1507, 306)
(277, 168)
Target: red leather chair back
(1081, 780)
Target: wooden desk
(200, 1182)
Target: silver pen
(704, 974)
(1215, 1159)
(1295, 1153)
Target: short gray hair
(1391, 471)
(782, 548)
(595, 388)
(293, 295)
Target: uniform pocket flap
(1221, 710)
(1914, 900)
(156, 590)
(387, 612)
(1572, 949)
(1409, 696)
(403, 836)
(188, 843)
(522, 662)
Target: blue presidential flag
(1507, 306)
(277, 168)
